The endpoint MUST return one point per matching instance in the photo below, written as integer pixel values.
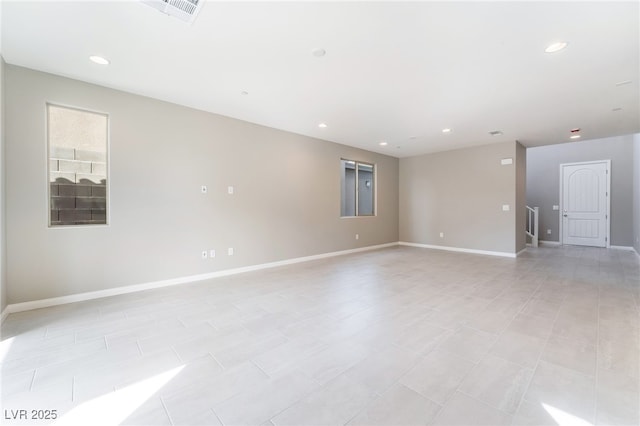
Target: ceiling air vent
(186, 10)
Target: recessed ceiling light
(319, 52)
(496, 132)
(244, 92)
(622, 83)
(574, 137)
(556, 47)
(383, 143)
(446, 130)
(99, 60)
(322, 125)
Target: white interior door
(585, 203)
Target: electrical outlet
(548, 231)
(442, 235)
(212, 253)
(204, 254)
(357, 236)
(203, 189)
(230, 251)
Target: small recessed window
(357, 189)
(77, 153)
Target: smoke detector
(185, 10)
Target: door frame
(608, 213)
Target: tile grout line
(216, 360)
(488, 404)
(166, 410)
(217, 416)
(33, 378)
(476, 364)
(308, 393)
(252, 361)
(544, 346)
(378, 395)
(178, 355)
(597, 368)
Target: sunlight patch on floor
(562, 418)
(5, 345)
(113, 408)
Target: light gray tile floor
(400, 336)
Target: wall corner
(521, 196)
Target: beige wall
(636, 192)
(286, 202)
(543, 182)
(3, 228)
(460, 193)
(521, 196)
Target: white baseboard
(460, 250)
(623, 248)
(44, 303)
(5, 313)
(557, 244)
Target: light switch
(556, 207)
(506, 207)
(230, 190)
(506, 161)
(203, 189)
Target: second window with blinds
(357, 188)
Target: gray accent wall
(543, 182)
(636, 192)
(461, 193)
(286, 202)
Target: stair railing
(532, 224)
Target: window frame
(47, 152)
(374, 179)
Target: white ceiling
(398, 72)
